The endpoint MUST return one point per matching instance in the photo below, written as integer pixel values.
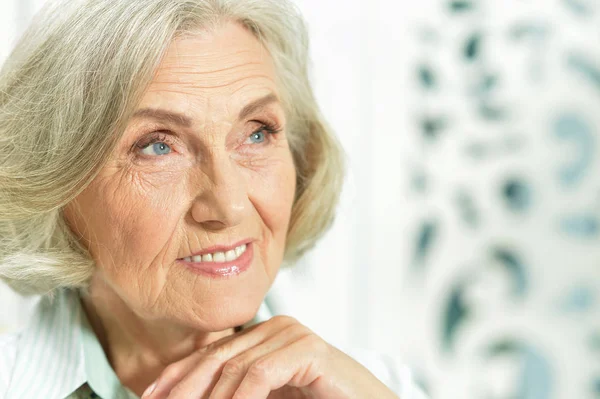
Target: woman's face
(195, 169)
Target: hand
(276, 359)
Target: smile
(221, 263)
(218, 257)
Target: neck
(138, 350)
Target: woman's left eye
(257, 137)
(261, 135)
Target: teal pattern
(508, 97)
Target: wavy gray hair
(68, 89)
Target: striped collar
(58, 353)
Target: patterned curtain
(506, 173)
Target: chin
(225, 315)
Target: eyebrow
(185, 121)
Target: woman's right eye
(154, 145)
(156, 148)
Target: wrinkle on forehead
(234, 61)
(219, 83)
(194, 67)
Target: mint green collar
(100, 376)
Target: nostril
(213, 225)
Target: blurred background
(468, 238)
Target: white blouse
(57, 355)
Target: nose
(222, 200)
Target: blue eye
(257, 137)
(158, 148)
(260, 136)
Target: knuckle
(233, 368)
(217, 352)
(284, 320)
(301, 329)
(171, 372)
(244, 395)
(177, 392)
(259, 371)
(315, 343)
(295, 330)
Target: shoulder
(43, 358)
(396, 375)
(8, 348)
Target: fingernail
(149, 390)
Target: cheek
(132, 217)
(272, 190)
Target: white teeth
(228, 256)
(219, 257)
(240, 250)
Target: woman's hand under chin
(279, 358)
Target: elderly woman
(161, 159)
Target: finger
(298, 365)
(175, 372)
(214, 355)
(235, 369)
(200, 382)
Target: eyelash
(159, 137)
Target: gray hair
(68, 89)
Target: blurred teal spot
(536, 372)
(582, 226)
(535, 35)
(477, 150)
(419, 181)
(472, 47)
(502, 347)
(459, 6)
(579, 133)
(515, 267)
(454, 316)
(433, 126)
(579, 299)
(481, 150)
(467, 209)
(594, 341)
(457, 311)
(426, 77)
(578, 6)
(521, 31)
(596, 387)
(536, 380)
(517, 194)
(586, 68)
(425, 240)
(491, 112)
(487, 83)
